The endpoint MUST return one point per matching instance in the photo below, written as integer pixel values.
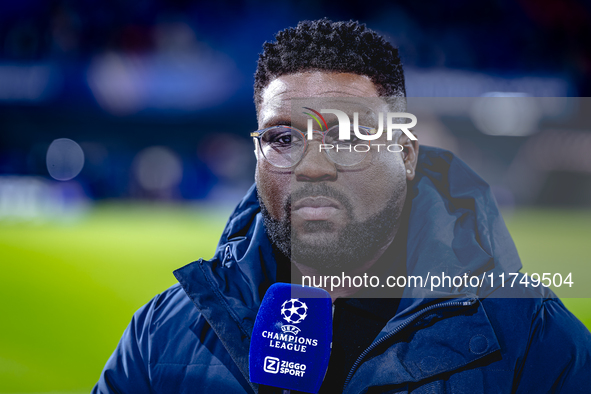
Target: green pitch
(69, 290)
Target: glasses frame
(259, 134)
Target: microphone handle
(264, 389)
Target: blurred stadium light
(36, 199)
(65, 159)
(125, 84)
(158, 170)
(514, 115)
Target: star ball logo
(294, 311)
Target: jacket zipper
(405, 323)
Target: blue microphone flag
(291, 339)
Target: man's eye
(284, 139)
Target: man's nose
(315, 166)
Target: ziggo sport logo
(365, 134)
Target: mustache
(314, 190)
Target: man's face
(319, 213)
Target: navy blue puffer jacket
(195, 336)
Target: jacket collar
(228, 289)
(453, 217)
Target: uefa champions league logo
(293, 311)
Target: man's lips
(316, 208)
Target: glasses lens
(347, 152)
(283, 146)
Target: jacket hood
(454, 227)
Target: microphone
(291, 338)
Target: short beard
(357, 243)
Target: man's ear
(410, 155)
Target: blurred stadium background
(123, 147)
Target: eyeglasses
(284, 146)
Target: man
(315, 211)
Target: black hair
(331, 46)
